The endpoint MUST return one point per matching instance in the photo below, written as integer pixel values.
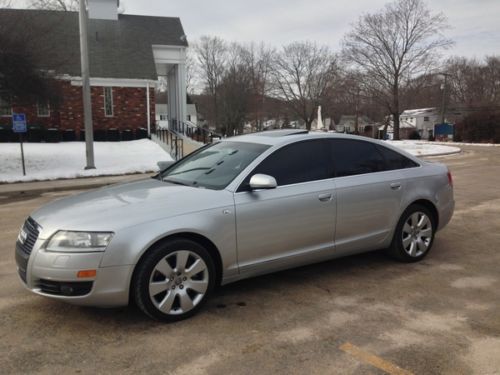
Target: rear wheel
(174, 280)
(414, 234)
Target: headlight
(65, 241)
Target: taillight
(450, 179)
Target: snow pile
(51, 161)
(419, 148)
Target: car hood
(123, 205)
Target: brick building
(127, 54)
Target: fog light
(86, 273)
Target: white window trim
(112, 106)
(38, 110)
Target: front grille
(23, 250)
(65, 288)
(32, 230)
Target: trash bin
(141, 133)
(52, 135)
(127, 135)
(5, 133)
(69, 135)
(113, 135)
(100, 135)
(35, 133)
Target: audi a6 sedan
(234, 209)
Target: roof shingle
(117, 49)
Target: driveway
(359, 315)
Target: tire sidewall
(397, 248)
(150, 260)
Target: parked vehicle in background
(241, 207)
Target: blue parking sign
(19, 123)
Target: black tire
(143, 275)
(397, 248)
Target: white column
(181, 91)
(148, 109)
(171, 85)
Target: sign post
(19, 126)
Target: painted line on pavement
(373, 360)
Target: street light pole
(87, 104)
(443, 103)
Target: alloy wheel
(178, 282)
(417, 234)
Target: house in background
(161, 110)
(127, 54)
(347, 124)
(421, 120)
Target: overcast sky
(475, 24)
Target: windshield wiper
(190, 170)
(175, 182)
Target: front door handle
(396, 185)
(325, 197)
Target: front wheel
(414, 234)
(174, 280)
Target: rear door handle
(396, 185)
(325, 197)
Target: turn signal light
(86, 273)
(450, 179)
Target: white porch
(171, 65)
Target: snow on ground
(422, 148)
(51, 161)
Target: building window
(5, 107)
(426, 118)
(108, 101)
(189, 117)
(43, 109)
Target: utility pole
(87, 104)
(443, 103)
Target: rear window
(394, 160)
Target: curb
(24, 188)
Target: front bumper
(54, 275)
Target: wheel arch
(430, 206)
(195, 237)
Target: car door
(293, 223)
(368, 196)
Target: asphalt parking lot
(359, 315)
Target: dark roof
(117, 49)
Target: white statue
(319, 124)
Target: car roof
(285, 136)
(278, 137)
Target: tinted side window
(352, 157)
(298, 162)
(394, 160)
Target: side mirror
(262, 181)
(164, 164)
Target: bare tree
(474, 83)
(303, 76)
(235, 91)
(5, 3)
(63, 5)
(395, 45)
(212, 54)
(257, 59)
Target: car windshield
(215, 166)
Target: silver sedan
(238, 208)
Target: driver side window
(296, 163)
